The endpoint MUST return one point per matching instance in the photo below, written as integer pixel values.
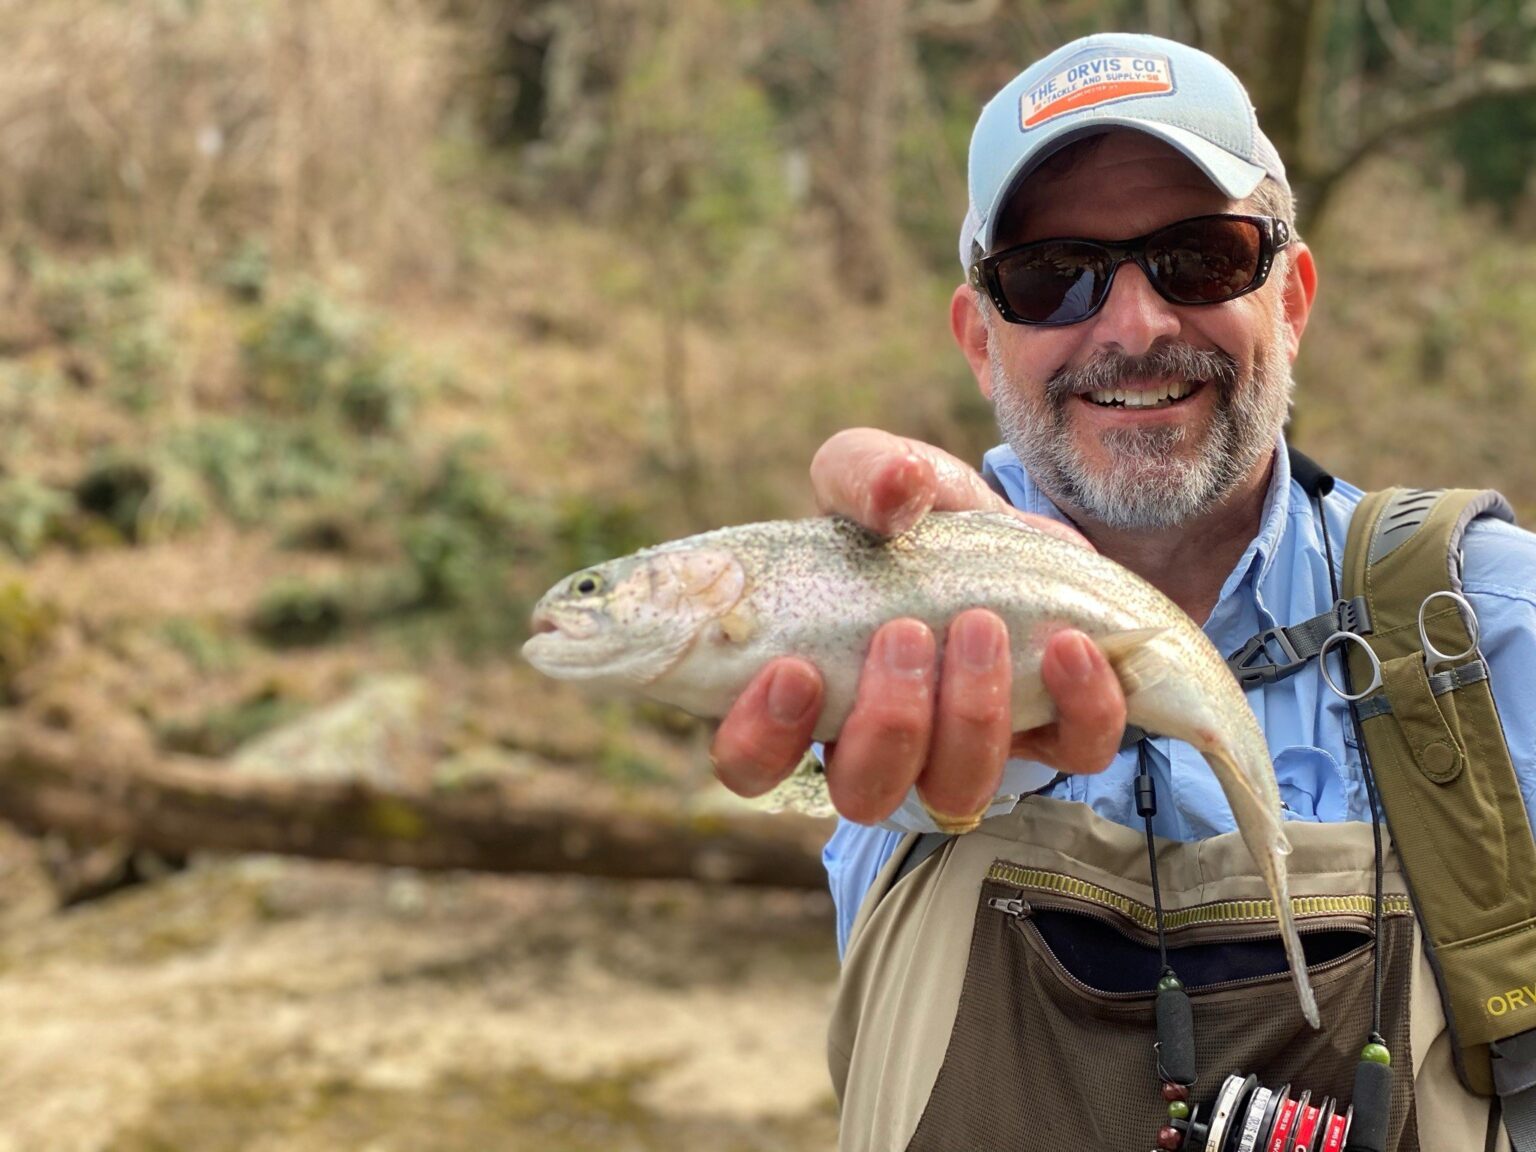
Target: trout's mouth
(542, 622)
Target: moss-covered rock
(377, 735)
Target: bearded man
(1135, 296)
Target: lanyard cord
(1146, 805)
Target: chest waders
(997, 990)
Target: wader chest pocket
(1105, 954)
(1052, 1043)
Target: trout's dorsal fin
(1137, 666)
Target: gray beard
(1148, 485)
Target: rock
(376, 735)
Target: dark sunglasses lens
(1206, 261)
(1054, 282)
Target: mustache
(1114, 369)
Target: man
(1141, 389)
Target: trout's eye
(587, 584)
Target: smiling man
(1135, 295)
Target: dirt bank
(267, 1004)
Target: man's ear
(1299, 292)
(970, 332)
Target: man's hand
(950, 733)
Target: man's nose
(1134, 317)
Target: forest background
(336, 330)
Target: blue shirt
(1281, 579)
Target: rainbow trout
(690, 623)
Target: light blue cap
(1179, 94)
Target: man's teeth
(1159, 396)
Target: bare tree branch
(47, 783)
(947, 15)
(1492, 80)
(1407, 53)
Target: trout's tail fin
(1265, 837)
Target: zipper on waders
(1222, 921)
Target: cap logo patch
(1095, 79)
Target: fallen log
(49, 782)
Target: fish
(691, 622)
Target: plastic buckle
(1246, 664)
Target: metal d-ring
(1434, 659)
(1322, 661)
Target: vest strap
(1276, 653)
(1514, 1078)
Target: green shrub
(374, 396)
(106, 310)
(87, 301)
(465, 528)
(142, 497)
(244, 275)
(138, 357)
(32, 515)
(254, 465)
(294, 613)
(308, 355)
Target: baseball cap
(1179, 94)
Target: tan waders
(1000, 996)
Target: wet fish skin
(691, 622)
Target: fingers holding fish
(888, 483)
(769, 727)
(874, 478)
(972, 727)
(1090, 708)
(884, 743)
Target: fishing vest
(998, 994)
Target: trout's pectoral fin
(736, 626)
(1137, 666)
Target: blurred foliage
(221, 731)
(32, 514)
(182, 129)
(308, 355)
(142, 496)
(96, 298)
(587, 532)
(107, 311)
(245, 275)
(26, 624)
(296, 613)
(209, 648)
(254, 464)
(1495, 148)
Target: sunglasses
(1204, 260)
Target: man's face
(1227, 366)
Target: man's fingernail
(978, 643)
(1077, 659)
(907, 651)
(789, 697)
